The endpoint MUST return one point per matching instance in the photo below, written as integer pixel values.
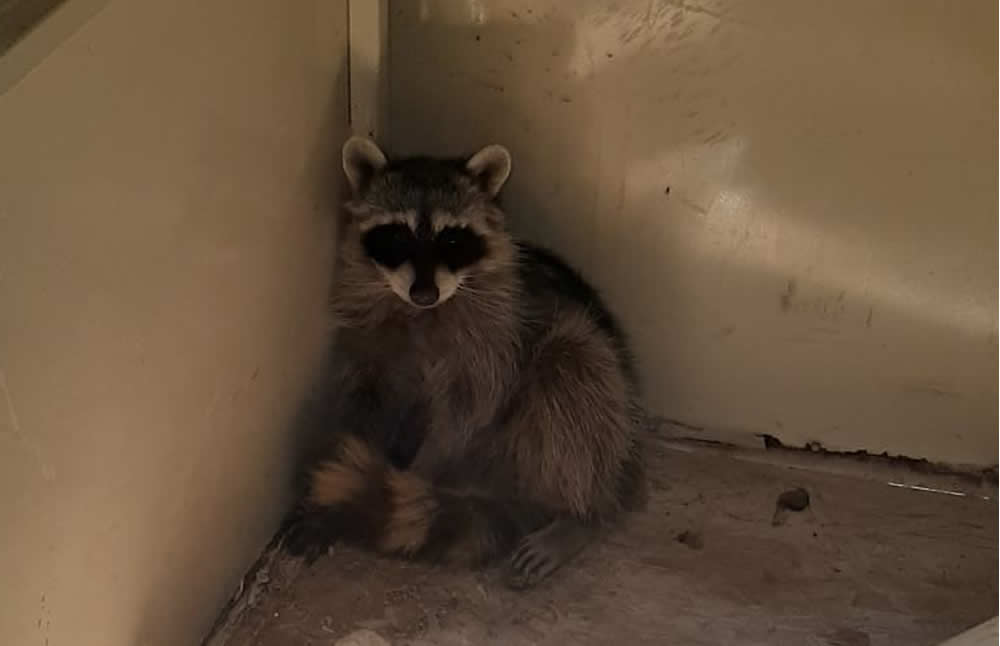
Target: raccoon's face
(427, 225)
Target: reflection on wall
(791, 205)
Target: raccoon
(483, 401)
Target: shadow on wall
(321, 178)
(779, 272)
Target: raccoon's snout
(422, 289)
(424, 295)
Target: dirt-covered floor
(710, 562)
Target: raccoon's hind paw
(543, 552)
(307, 538)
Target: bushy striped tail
(358, 496)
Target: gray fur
(518, 388)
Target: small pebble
(363, 637)
(692, 539)
(794, 499)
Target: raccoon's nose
(424, 295)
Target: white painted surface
(167, 178)
(368, 37)
(985, 634)
(44, 37)
(823, 267)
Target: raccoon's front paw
(543, 552)
(532, 562)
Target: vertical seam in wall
(350, 45)
(367, 48)
(384, 79)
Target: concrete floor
(866, 564)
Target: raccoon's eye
(459, 247)
(390, 245)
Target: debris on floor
(692, 539)
(362, 638)
(863, 564)
(792, 500)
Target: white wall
(985, 634)
(823, 267)
(167, 178)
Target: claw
(543, 552)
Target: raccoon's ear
(362, 159)
(491, 167)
